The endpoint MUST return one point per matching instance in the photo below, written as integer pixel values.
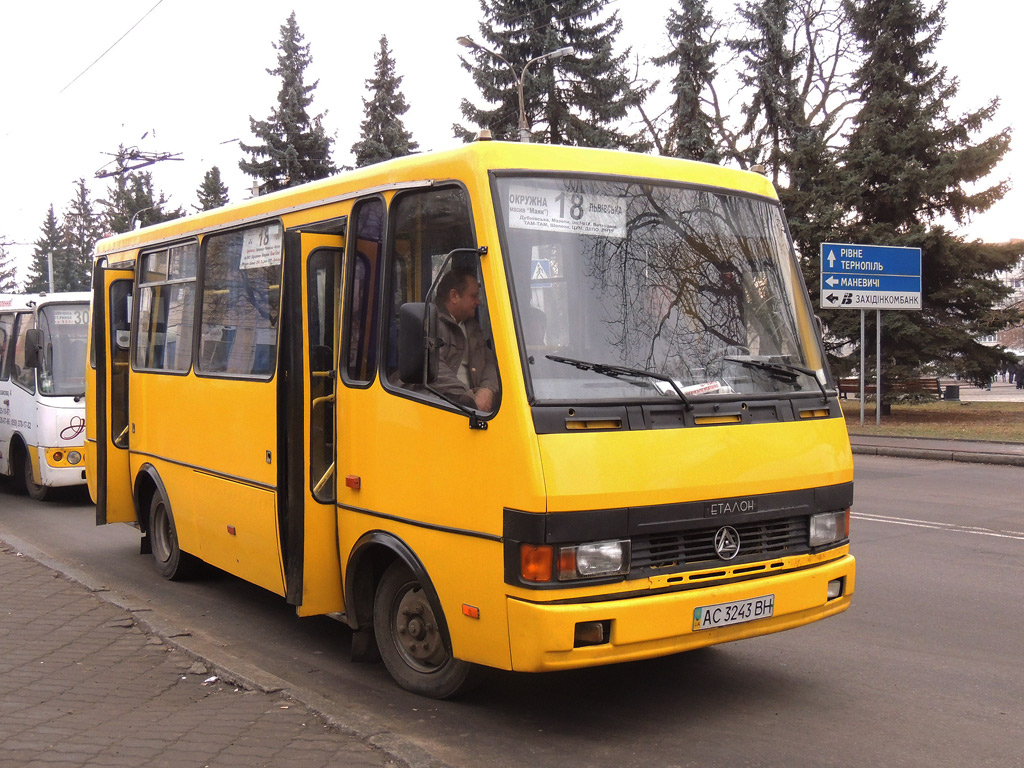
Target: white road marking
(952, 527)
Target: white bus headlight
(829, 527)
(74, 457)
(601, 558)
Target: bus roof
(479, 157)
(33, 300)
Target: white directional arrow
(831, 259)
(831, 281)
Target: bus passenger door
(107, 469)
(311, 550)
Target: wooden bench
(925, 385)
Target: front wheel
(34, 489)
(170, 561)
(410, 639)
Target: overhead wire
(122, 37)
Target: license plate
(724, 614)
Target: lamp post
(524, 125)
(131, 222)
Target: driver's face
(463, 306)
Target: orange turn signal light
(536, 563)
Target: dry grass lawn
(1000, 422)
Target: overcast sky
(186, 79)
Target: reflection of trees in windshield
(696, 275)
(663, 279)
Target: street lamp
(524, 125)
(131, 222)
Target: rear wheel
(170, 561)
(410, 639)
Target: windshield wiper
(781, 370)
(615, 371)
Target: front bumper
(542, 635)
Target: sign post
(870, 277)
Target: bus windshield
(64, 328)
(635, 290)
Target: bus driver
(467, 371)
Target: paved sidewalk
(82, 685)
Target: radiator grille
(695, 548)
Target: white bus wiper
(786, 371)
(616, 371)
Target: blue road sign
(870, 277)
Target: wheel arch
(370, 557)
(147, 484)
(15, 447)
(18, 451)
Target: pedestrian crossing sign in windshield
(540, 269)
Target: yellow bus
(515, 406)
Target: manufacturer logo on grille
(727, 542)
(730, 507)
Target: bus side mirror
(417, 343)
(33, 348)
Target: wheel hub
(420, 639)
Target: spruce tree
(382, 135)
(49, 249)
(7, 271)
(691, 132)
(212, 193)
(908, 163)
(292, 147)
(576, 99)
(772, 114)
(82, 230)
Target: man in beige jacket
(468, 371)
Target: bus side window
(22, 375)
(362, 284)
(167, 291)
(425, 227)
(241, 302)
(6, 334)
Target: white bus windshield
(64, 328)
(632, 290)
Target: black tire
(17, 467)
(32, 488)
(170, 561)
(410, 640)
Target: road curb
(937, 454)
(231, 669)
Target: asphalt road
(925, 669)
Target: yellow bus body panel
(215, 454)
(640, 467)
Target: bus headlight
(539, 563)
(74, 457)
(829, 527)
(587, 561)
